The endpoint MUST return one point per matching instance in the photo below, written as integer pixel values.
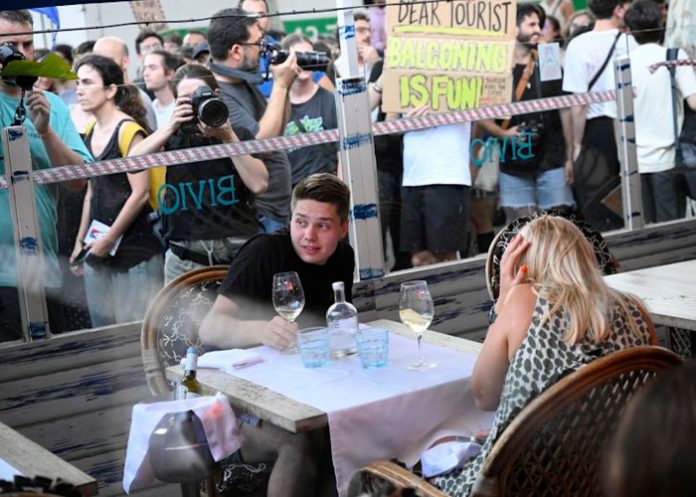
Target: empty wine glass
(416, 311)
(288, 297)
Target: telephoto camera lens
(310, 61)
(208, 108)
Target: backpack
(157, 174)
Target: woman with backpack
(122, 256)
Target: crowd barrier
(198, 154)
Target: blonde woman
(555, 313)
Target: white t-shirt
(437, 156)
(163, 114)
(584, 57)
(653, 106)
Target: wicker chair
(170, 327)
(605, 259)
(172, 321)
(554, 447)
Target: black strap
(672, 54)
(606, 61)
(189, 255)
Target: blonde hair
(563, 270)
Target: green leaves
(51, 66)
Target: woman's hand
(101, 246)
(223, 133)
(510, 274)
(77, 269)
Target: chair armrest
(402, 478)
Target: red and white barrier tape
(198, 154)
(672, 63)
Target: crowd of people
(164, 222)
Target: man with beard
(236, 41)
(535, 149)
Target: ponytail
(130, 101)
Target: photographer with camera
(53, 141)
(208, 207)
(535, 149)
(236, 44)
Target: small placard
(550, 62)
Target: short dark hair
(65, 51)
(527, 9)
(175, 38)
(360, 16)
(644, 19)
(144, 35)
(194, 71)
(84, 48)
(228, 27)
(170, 61)
(324, 187)
(604, 9)
(239, 4)
(22, 16)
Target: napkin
(228, 359)
(447, 456)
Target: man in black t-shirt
(535, 149)
(243, 314)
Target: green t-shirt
(46, 195)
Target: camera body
(309, 61)
(9, 53)
(208, 109)
(532, 130)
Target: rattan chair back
(555, 446)
(172, 321)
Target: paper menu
(96, 230)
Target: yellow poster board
(452, 55)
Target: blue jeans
(121, 297)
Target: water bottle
(342, 321)
(189, 386)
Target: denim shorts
(543, 189)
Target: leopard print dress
(542, 359)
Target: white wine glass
(416, 311)
(288, 297)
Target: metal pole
(356, 143)
(630, 177)
(29, 255)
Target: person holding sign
(535, 149)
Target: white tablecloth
(382, 413)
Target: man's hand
(279, 334)
(368, 54)
(285, 73)
(39, 111)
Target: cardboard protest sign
(451, 55)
